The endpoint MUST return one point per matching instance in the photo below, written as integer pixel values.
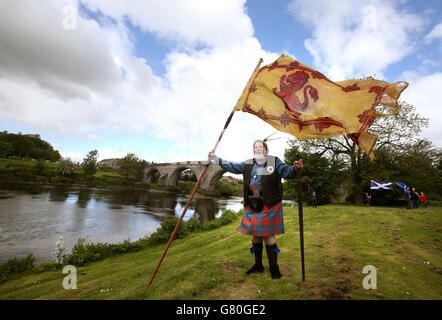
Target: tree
(129, 166)
(65, 167)
(27, 146)
(395, 133)
(5, 149)
(417, 166)
(319, 173)
(89, 164)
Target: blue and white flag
(401, 184)
(381, 185)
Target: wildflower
(59, 250)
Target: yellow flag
(301, 101)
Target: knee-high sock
(272, 254)
(257, 248)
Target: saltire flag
(381, 185)
(301, 101)
(401, 184)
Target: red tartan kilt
(266, 223)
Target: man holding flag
(263, 215)
(303, 102)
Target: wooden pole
(301, 221)
(199, 181)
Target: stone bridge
(170, 172)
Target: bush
(193, 226)
(14, 266)
(167, 228)
(227, 217)
(47, 266)
(84, 252)
(65, 167)
(224, 188)
(40, 168)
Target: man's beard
(259, 156)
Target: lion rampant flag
(301, 101)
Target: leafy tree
(27, 146)
(417, 166)
(320, 175)
(89, 164)
(65, 167)
(395, 133)
(129, 166)
(5, 149)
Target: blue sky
(159, 79)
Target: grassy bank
(403, 245)
(29, 171)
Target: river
(32, 218)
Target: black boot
(272, 254)
(257, 267)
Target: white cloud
(102, 154)
(213, 23)
(356, 38)
(435, 33)
(424, 93)
(74, 156)
(68, 81)
(72, 83)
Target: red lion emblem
(289, 86)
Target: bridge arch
(169, 173)
(152, 175)
(215, 178)
(175, 175)
(155, 175)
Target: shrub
(85, 252)
(169, 225)
(82, 253)
(224, 188)
(14, 266)
(65, 167)
(40, 168)
(193, 226)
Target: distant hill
(26, 146)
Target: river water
(32, 218)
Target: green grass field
(403, 245)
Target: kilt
(267, 222)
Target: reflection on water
(32, 218)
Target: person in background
(424, 199)
(367, 199)
(315, 205)
(415, 198)
(407, 194)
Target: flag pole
(301, 220)
(201, 176)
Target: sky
(160, 78)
